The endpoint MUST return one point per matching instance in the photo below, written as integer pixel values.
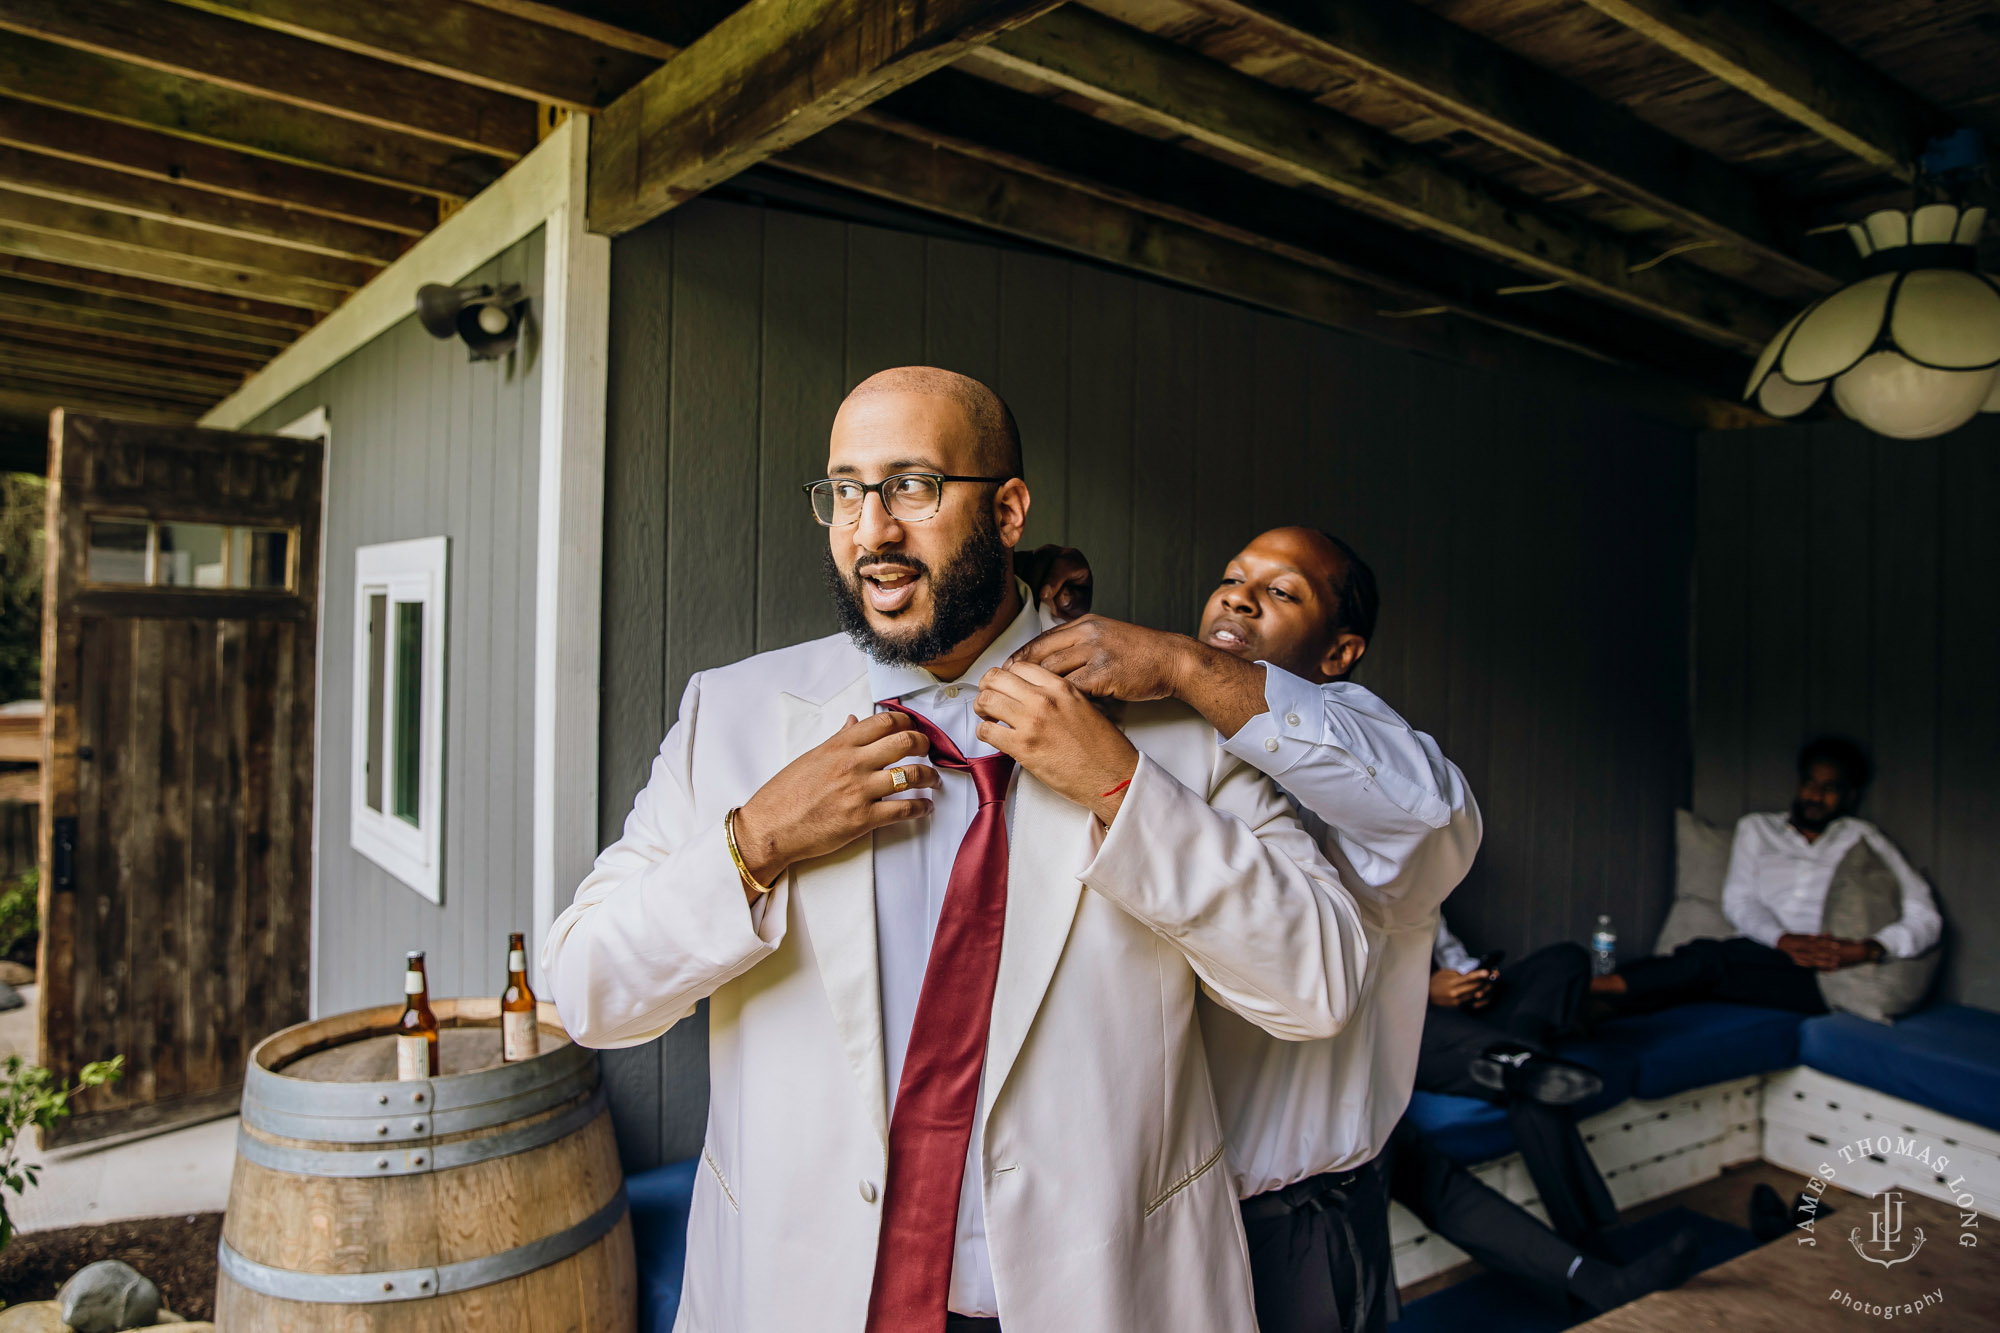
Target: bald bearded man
(951, 922)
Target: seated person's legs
(1507, 1238)
(1738, 971)
(1540, 997)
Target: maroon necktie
(939, 1091)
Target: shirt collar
(896, 681)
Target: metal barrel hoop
(414, 1284)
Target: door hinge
(62, 855)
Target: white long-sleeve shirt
(1777, 882)
(1395, 817)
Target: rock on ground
(107, 1297)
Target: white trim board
(495, 218)
(569, 542)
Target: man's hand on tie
(1110, 658)
(834, 793)
(1055, 733)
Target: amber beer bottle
(417, 1031)
(520, 1037)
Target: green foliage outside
(21, 525)
(29, 1095)
(20, 916)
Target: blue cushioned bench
(1946, 1058)
(1650, 1056)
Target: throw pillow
(1701, 860)
(1863, 898)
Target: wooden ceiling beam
(35, 358)
(153, 156)
(69, 181)
(140, 349)
(140, 298)
(64, 319)
(66, 248)
(257, 263)
(115, 90)
(1795, 69)
(644, 27)
(282, 68)
(24, 396)
(1021, 132)
(1371, 171)
(1473, 82)
(18, 375)
(877, 162)
(456, 39)
(770, 74)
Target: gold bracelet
(736, 854)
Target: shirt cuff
(1292, 724)
(1896, 940)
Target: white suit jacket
(1104, 1207)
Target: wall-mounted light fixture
(488, 318)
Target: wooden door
(178, 670)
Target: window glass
(378, 648)
(260, 558)
(118, 550)
(409, 714)
(189, 556)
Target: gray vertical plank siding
(1846, 584)
(426, 443)
(1533, 549)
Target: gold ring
(899, 780)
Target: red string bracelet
(1115, 790)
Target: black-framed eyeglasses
(910, 497)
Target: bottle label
(515, 961)
(413, 982)
(520, 1037)
(413, 1058)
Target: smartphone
(1489, 961)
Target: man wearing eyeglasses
(951, 921)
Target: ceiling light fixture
(1911, 347)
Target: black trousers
(1739, 971)
(968, 1323)
(1538, 999)
(1472, 1215)
(1319, 1253)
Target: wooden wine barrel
(487, 1198)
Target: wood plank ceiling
(1634, 192)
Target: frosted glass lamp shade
(1894, 396)
(1911, 347)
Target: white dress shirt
(1395, 818)
(1777, 882)
(912, 870)
(1449, 954)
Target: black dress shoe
(1771, 1218)
(1533, 1076)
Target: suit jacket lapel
(1042, 894)
(835, 896)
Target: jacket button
(867, 1191)
(1271, 743)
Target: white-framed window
(398, 763)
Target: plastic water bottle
(1604, 949)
